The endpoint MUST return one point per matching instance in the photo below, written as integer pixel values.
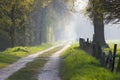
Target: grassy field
(11, 55)
(78, 65)
(32, 68)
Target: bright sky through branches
(80, 5)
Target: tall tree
(103, 11)
(95, 10)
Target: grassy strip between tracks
(78, 65)
(32, 68)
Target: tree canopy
(110, 9)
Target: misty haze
(59, 40)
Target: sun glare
(80, 4)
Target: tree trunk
(12, 38)
(12, 29)
(99, 31)
(43, 28)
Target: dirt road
(9, 70)
(50, 71)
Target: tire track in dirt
(50, 71)
(9, 70)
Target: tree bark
(99, 31)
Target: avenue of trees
(31, 22)
(13, 19)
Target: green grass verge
(111, 47)
(78, 65)
(11, 55)
(32, 68)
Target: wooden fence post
(87, 40)
(102, 59)
(118, 65)
(94, 49)
(114, 55)
(79, 43)
(109, 60)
